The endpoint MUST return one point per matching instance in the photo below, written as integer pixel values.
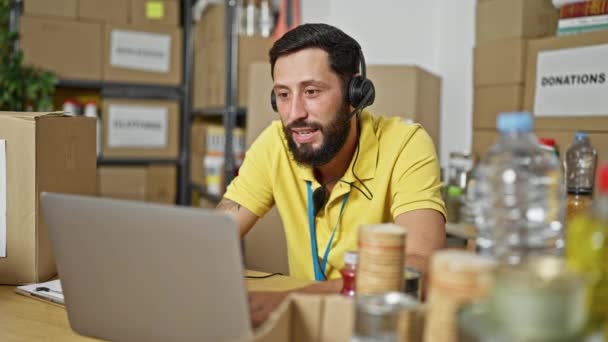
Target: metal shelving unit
(230, 112)
(134, 161)
(181, 93)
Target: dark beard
(334, 137)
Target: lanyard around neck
(320, 273)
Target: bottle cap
(351, 257)
(454, 191)
(580, 136)
(602, 178)
(547, 142)
(514, 122)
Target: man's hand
(261, 304)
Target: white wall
(437, 35)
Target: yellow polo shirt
(397, 162)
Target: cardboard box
(153, 183)
(308, 318)
(210, 60)
(158, 12)
(57, 8)
(409, 92)
(41, 152)
(140, 129)
(143, 54)
(106, 11)
(574, 99)
(161, 184)
(325, 318)
(483, 139)
(123, 182)
(489, 101)
(499, 62)
(70, 49)
(500, 19)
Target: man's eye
(311, 92)
(283, 94)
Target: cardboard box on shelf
(123, 182)
(567, 82)
(56, 8)
(499, 62)
(500, 19)
(161, 184)
(38, 152)
(142, 54)
(153, 183)
(163, 13)
(210, 60)
(106, 11)
(489, 101)
(140, 128)
(71, 49)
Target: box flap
(32, 115)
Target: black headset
(361, 91)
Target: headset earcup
(358, 90)
(273, 100)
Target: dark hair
(342, 49)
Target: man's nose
(297, 110)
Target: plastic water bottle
(581, 161)
(518, 201)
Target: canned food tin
(383, 317)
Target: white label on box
(138, 126)
(140, 51)
(572, 82)
(2, 198)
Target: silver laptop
(133, 271)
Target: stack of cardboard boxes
(502, 32)
(520, 65)
(136, 129)
(132, 41)
(117, 41)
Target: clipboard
(49, 292)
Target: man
(329, 167)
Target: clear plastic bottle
(349, 272)
(587, 250)
(581, 161)
(518, 201)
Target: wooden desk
(26, 319)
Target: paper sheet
(54, 292)
(138, 126)
(2, 198)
